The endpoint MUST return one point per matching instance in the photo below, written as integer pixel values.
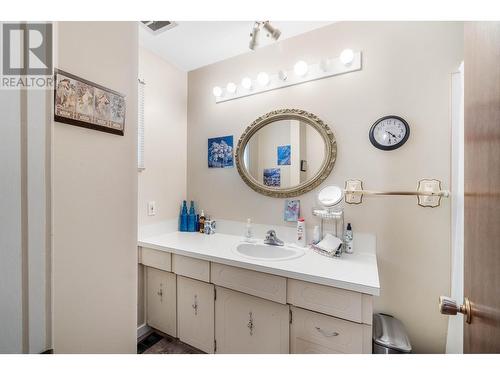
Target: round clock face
(389, 133)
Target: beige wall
(165, 122)
(406, 71)
(94, 200)
(165, 118)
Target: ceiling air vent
(157, 27)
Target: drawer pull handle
(250, 323)
(327, 334)
(195, 305)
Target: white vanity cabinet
(248, 324)
(195, 313)
(161, 300)
(222, 308)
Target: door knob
(448, 306)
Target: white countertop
(357, 272)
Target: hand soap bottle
(348, 239)
(249, 231)
(202, 222)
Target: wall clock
(389, 133)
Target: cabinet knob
(250, 324)
(448, 306)
(195, 305)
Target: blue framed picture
(284, 155)
(220, 152)
(272, 177)
(292, 209)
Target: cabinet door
(195, 317)
(246, 324)
(161, 301)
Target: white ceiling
(193, 44)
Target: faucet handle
(271, 233)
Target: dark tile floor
(157, 342)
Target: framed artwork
(220, 152)
(272, 177)
(292, 209)
(284, 155)
(86, 104)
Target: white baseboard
(142, 330)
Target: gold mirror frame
(288, 114)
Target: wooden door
(195, 313)
(161, 301)
(482, 186)
(246, 325)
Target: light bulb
(246, 83)
(283, 76)
(300, 68)
(217, 91)
(347, 56)
(263, 78)
(231, 88)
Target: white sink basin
(268, 252)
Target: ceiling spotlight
(217, 91)
(246, 83)
(300, 68)
(253, 36)
(263, 78)
(272, 31)
(231, 88)
(347, 56)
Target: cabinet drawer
(249, 325)
(195, 268)
(195, 313)
(258, 284)
(155, 258)
(329, 300)
(312, 332)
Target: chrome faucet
(272, 239)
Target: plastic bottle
(316, 235)
(348, 239)
(301, 232)
(184, 217)
(249, 231)
(202, 222)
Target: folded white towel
(330, 243)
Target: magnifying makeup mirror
(330, 196)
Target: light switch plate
(151, 208)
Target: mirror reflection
(284, 154)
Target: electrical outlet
(151, 208)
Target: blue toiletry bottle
(192, 218)
(184, 217)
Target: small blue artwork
(292, 209)
(220, 152)
(284, 153)
(272, 177)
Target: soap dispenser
(184, 217)
(249, 231)
(192, 218)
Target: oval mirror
(286, 153)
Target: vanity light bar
(428, 192)
(348, 61)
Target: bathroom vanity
(202, 290)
